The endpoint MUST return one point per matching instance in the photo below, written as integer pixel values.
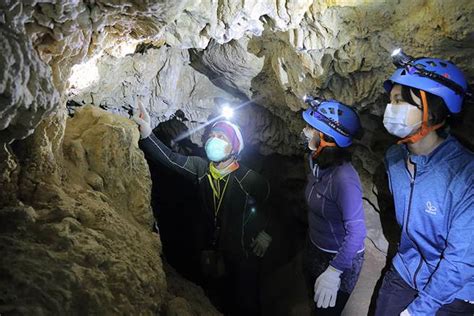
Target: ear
(313, 143)
(310, 132)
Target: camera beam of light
(226, 110)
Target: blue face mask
(216, 149)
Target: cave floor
(296, 301)
(360, 299)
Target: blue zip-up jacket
(435, 210)
(335, 215)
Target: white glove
(142, 118)
(261, 243)
(405, 313)
(326, 287)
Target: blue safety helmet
(333, 119)
(436, 76)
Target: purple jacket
(336, 216)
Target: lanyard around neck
(217, 195)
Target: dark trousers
(316, 262)
(395, 295)
(237, 292)
(244, 277)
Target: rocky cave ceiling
(183, 55)
(269, 52)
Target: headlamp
(400, 59)
(227, 111)
(312, 101)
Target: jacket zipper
(412, 185)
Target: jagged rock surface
(186, 298)
(274, 52)
(78, 237)
(81, 240)
(165, 80)
(27, 93)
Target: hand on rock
(142, 118)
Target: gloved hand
(405, 313)
(261, 243)
(142, 118)
(326, 287)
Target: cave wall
(73, 241)
(60, 189)
(78, 237)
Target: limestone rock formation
(81, 240)
(162, 77)
(27, 93)
(186, 298)
(78, 237)
(232, 65)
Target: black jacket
(235, 225)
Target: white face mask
(395, 119)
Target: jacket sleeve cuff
(331, 267)
(424, 304)
(338, 265)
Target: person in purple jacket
(335, 250)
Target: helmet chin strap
(425, 129)
(321, 146)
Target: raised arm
(189, 166)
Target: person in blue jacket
(431, 177)
(335, 249)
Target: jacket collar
(441, 153)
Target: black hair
(437, 109)
(333, 156)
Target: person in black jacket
(231, 227)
